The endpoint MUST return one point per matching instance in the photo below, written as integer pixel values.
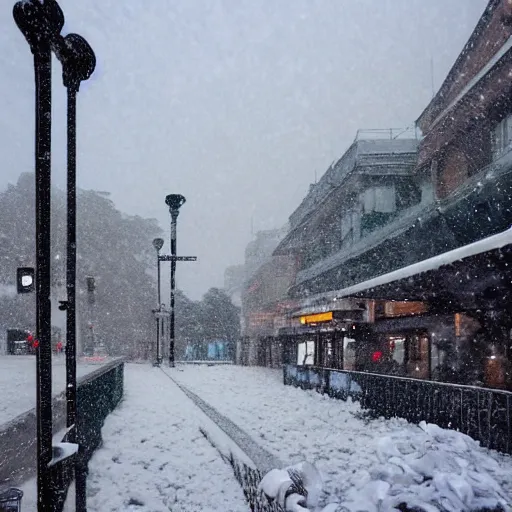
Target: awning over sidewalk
(465, 272)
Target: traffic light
(25, 279)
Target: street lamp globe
(158, 243)
(175, 201)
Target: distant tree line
(112, 247)
(116, 249)
(199, 323)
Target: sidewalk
(154, 458)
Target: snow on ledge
(487, 244)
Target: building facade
(264, 298)
(234, 282)
(393, 227)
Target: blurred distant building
(233, 283)
(267, 279)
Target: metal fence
(97, 395)
(249, 479)
(483, 414)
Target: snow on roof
(487, 244)
(387, 146)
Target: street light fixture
(78, 63)
(174, 202)
(158, 243)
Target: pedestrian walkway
(262, 459)
(154, 457)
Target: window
(349, 354)
(418, 360)
(306, 353)
(397, 348)
(502, 137)
(427, 192)
(380, 199)
(350, 228)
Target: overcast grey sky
(233, 103)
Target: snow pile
(430, 470)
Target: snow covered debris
(154, 458)
(429, 468)
(295, 488)
(366, 465)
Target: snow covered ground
(367, 465)
(154, 457)
(18, 382)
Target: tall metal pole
(78, 63)
(158, 356)
(41, 22)
(71, 269)
(43, 77)
(174, 218)
(158, 244)
(174, 201)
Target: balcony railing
(387, 133)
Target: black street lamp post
(41, 22)
(174, 202)
(78, 61)
(158, 244)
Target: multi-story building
(264, 298)
(234, 282)
(431, 263)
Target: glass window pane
(385, 199)
(349, 354)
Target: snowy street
(155, 458)
(18, 382)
